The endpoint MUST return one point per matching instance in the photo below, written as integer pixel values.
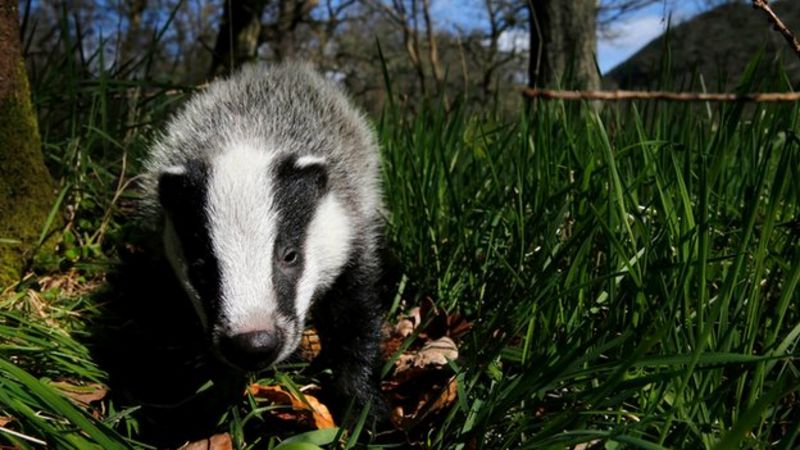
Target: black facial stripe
(297, 192)
(184, 198)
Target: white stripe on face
(327, 248)
(242, 226)
(309, 160)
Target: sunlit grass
(631, 273)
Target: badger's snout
(252, 350)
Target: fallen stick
(758, 97)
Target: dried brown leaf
(404, 328)
(70, 283)
(415, 316)
(217, 442)
(594, 443)
(82, 394)
(422, 385)
(457, 326)
(434, 353)
(390, 345)
(427, 308)
(397, 416)
(314, 413)
(310, 345)
(424, 404)
(446, 398)
(221, 442)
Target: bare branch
(392, 14)
(778, 24)
(757, 97)
(433, 49)
(613, 10)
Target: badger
(265, 190)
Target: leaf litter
(421, 383)
(419, 386)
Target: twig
(759, 97)
(23, 436)
(778, 24)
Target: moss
(26, 188)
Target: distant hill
(717, 44)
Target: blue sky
(633, 32)
(625, 37)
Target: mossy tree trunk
(26, 188)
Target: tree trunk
(239, 33)
(132, 42)
(563, 43)
(291, 13)
(26, 189)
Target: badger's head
(253, 236)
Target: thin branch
(390, 13)
(778, 24)
(611, 11)
(758, 97)
(433, 49)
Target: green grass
(631, 274)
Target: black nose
(252, 350)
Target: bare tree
(406, 18)
(505, 22)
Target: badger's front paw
(348, 398)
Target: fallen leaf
(437, 352)
(313, 412)
(434, 353)
(216, 442)
(457, 326)
(70, 283)
(310, 345)
(422, 385)
(415, 315)
(221, 442)
(322, 417)
(404, 328)
(82, 394)
(5, 420)
(427, 308)
(594, 443)
(446, 398)
(422, 405)
(398, 414)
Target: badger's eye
(290, 257)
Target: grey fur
(292, 110)
(288, 106)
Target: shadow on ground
(149, 341)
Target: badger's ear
(310, 169)
(178, 184)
